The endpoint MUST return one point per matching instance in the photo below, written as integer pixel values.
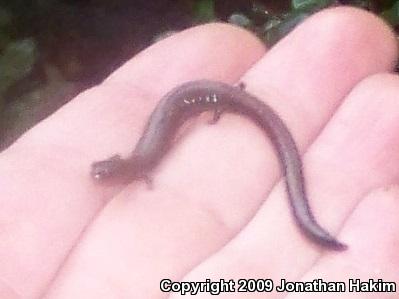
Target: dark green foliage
(391, 15)
(240, 20)
(204, 10)
(308, 5)
(16, 62)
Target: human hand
(198, 222)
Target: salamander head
(108, 169)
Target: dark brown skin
(193, 98)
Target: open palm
(218, 208)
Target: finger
(203, 224)
(374, 257)
(355, 153)
(331, 56)
(46, 194)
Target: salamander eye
(106, 169)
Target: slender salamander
(193, 98)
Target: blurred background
(50, 50)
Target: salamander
(193, 98)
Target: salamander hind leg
(147, 179)
(241, 85)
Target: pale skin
(63, 236)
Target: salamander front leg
(216, 116)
